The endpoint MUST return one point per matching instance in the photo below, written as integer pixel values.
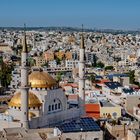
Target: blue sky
(115, 14)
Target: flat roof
(79, 125)
(104, 103)
(112, 85)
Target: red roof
(92, 110)
(103, 81)
(73, 85)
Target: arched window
(49, 108)
(59, 105)
(55, 106)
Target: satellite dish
(114, 114)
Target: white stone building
(71, 63)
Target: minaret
(82, 75)
(24, 85)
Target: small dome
(33, 100)
(40, 79)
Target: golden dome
(33, 100)
(40, 79)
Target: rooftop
(105, 103)
(128, 90)
(113, 85)
(31, 134)
(136, 132)
(110, 76)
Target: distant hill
(72, 29)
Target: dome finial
(24, 48)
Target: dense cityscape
(110, 83)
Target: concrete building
(124, 81)
(52, 64)
(39, 61)
(136, 112)
(120, 130)
(90, 57)
(15, 82)
(5, 48)
(132, 101)
(109, 110)
(110, 87)
(133, 134)
(71, 63)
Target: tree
(58, 61)
(100, 64)
(1, 61)
(59, 76)
(5, 74)
(91, 78)
(132, 76)
(46, 64)
(109, 68)
(31, 61)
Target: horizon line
(74, 27)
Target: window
(58, 105)
(55, 106)
(49, 108)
